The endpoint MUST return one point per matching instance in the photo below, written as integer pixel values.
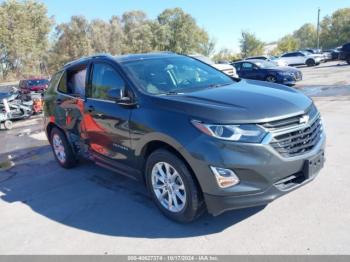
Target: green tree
(99, 34)
(180, 33)
(137, 31)
(335, 29)
(306, 35)
(250, 45)
(287, 43)
(72, 41)
(116, 38)
(226, 55)
(24, 29)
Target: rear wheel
(172, 187)
(61, 149)
(310, 62)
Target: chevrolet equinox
(199, 139)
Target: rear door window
(73, 82)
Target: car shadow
(93, 199)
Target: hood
(247, 101)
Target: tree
(99, 34)
(335, 30)
(250, 45)
(137, 31)
(226, 55)
(306, 35)
(24, 29)
(287, 43)
(116, 38)
(72, 41)
(180, 33)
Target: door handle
(91, 109)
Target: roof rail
(88, 57)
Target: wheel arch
(152, 145)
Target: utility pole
(318, 28)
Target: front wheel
(173, 187)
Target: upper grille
(297, 141)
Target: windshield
(37, 82)
(265, 64)
(173, 75)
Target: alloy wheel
(58, 148)
(168, 187)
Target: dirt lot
(45, 209)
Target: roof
(121, 58)
(135, 57)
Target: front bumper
(290, 79)
(260, 168)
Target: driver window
(104, 78)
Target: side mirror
(114, 94)
(120, 97)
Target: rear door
(70, 102)
(106, 123)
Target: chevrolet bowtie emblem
(304, 119)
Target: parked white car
(226, 68)
(301, 58)
(275, 60)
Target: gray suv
(199, 139)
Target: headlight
(248, 133)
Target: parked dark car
(345, 53)
(199, 139)
(33, 85)
(267, 71)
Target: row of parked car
(279, 69)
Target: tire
(8, 124)
(310, 62)
(190, 206)
(62, 149)
(271, 79)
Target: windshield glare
(174, 75)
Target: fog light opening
(225, 177)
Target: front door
(107, 123)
